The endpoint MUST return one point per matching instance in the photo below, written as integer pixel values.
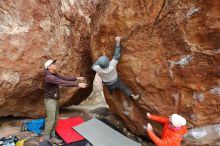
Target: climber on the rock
(108, 73)
(52, 82)
(173, 131)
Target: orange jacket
(170, 136)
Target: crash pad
(100, 134)
(65, 131)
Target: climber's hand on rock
(118, 39)
(148, 115)
(80, 78)
(83, 85)
(149, 127)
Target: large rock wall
(170, 55)
(30, 33)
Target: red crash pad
(65, 129)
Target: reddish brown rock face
(30, 33)
(170, 55)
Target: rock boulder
(30, 33)
(170, 56)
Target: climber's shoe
(135, 97)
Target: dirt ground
(10, 126)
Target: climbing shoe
(135, 97)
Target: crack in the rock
(158, 15)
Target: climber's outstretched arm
(117, 53)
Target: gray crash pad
(100, 134)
